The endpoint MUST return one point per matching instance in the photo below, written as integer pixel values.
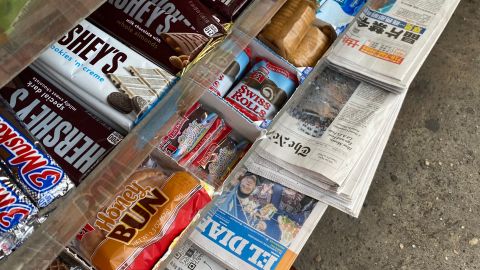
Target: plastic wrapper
(75, 138)
(229, 9)
(175, 28)
(263, 91)
(17, 215)
(140, 223)
(218, 158)
(188, 131)
(233, 73)
(339, 13)
(218, 128)
(33, 169)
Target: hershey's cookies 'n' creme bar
(149, 72)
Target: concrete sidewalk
(423, 209)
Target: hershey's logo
(82, 43)
(149, 13)
(57, 134)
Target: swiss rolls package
(263, 91)
(71, 134)
(31, 168)
(169, 32)
(139, 224)
(104, 75)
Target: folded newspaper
(328, 142)
(256, 224)
(390, 40)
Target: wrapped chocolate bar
(168, 32)
(104, 75)
(234, 72)
(75, 138)
(218, 158)
(136, 229)
(33, 170)
(17, 213)
(228, 9)
(188, 131)
(263, 91)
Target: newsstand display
(199, 134)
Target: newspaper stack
(328, 142)
(255, 223)
(390, 40)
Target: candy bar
(138, 91)
(165, 31)
(119, 80)
(100, 65)
(18, 215)
(75, 138)
(232, 74)
(150, 72)
(263, 91)
(33, 169)
(228, 9)
(187, 132)
(155, 83)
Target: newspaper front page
(325, 132)
(257, 224)
(390, 39)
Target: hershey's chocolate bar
(146, 25)
(75, 138)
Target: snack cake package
(188, 131)
(168, 32)
(33, 170)
(138, 226)
(263, 91)
(74, 137)
(103, 74)
(17, 213)
(233, 73)
(218, 158)
(339, 13)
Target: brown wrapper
(75, 138)
(165, 31)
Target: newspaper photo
(390, 40)
(326, 142)
(257, 223)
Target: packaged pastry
(33, 170)
(140, 223)
(218, 129)
(263, 91)
(167, 32)
(234, 72)
(294, 36)
(228, 10)
(289, 26)
(75, 138)
(110, 79)
(18, 214)
(188, 131)
(218, 158)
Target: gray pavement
(422, 211)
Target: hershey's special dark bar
(75, 138)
